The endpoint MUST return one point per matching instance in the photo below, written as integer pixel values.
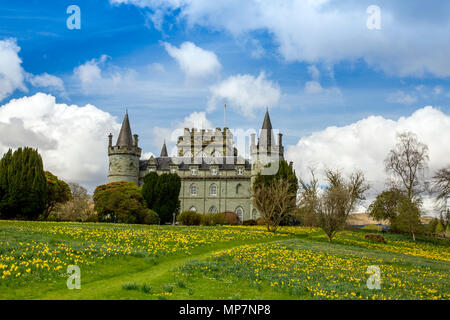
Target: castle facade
(214, 178)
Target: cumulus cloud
(245, 93)
(90, 72)
(46, 80)
(329, 30)
(12, 75)
(194, 61)
(366, 143)
(402, 98)
(71, 139)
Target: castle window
(238, 188)
(173, 170)
(213, 190)
(254, 214)
(240, 171)
(193, 190)
(240, 213)
(194, 171)
(213, 209)
(194, 209)
(214, 171)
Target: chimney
(135, 140)
(280, 139)
(110, 136)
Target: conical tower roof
(125, 138)
(164, 150)
(267, 124)
(266, 138)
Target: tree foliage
(58, 192)
(23, 185)
(402, 213)
(122, 202)
(161, 194)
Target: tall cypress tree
(23, 186)
(161, 194)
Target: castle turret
(124, 156)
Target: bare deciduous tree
(274, 201)
(441, 188)
(79, 207)
(332, 206)
(407, 163)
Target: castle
(214, 178)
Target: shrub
(190, 218)
(150, 217)
(130, 286)
(214, 219)
(260, 221)
(250, 222)
(146, 288)
(121, 202)
(375, 237)
(232, 218)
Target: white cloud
(12, 75)
(313, 87)
(329, 31)
(90, 72)
(71, 139)
(402, 98)
(194, 61)
(46, 80)
(314, 72)
(245, 93)
(366, 143)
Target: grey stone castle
(214, 178)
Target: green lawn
(164, 262)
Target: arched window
(238, 188)
(213, 190)
(193, 190)
(240, 213)
(194, 209)
(213, 209)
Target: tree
(78, 208)
(408, 219)
(402, 213)
(122, 202)
(441, 188)
(23, 186)
(332, 205)
(286, 173)
(58, 192)
(386, 205)
(274, 201)
(161, 194)
(309, 200)
(406, 164)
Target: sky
(340, 78)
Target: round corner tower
(124, 156)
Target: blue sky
(317, 63)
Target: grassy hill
(231, 262)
